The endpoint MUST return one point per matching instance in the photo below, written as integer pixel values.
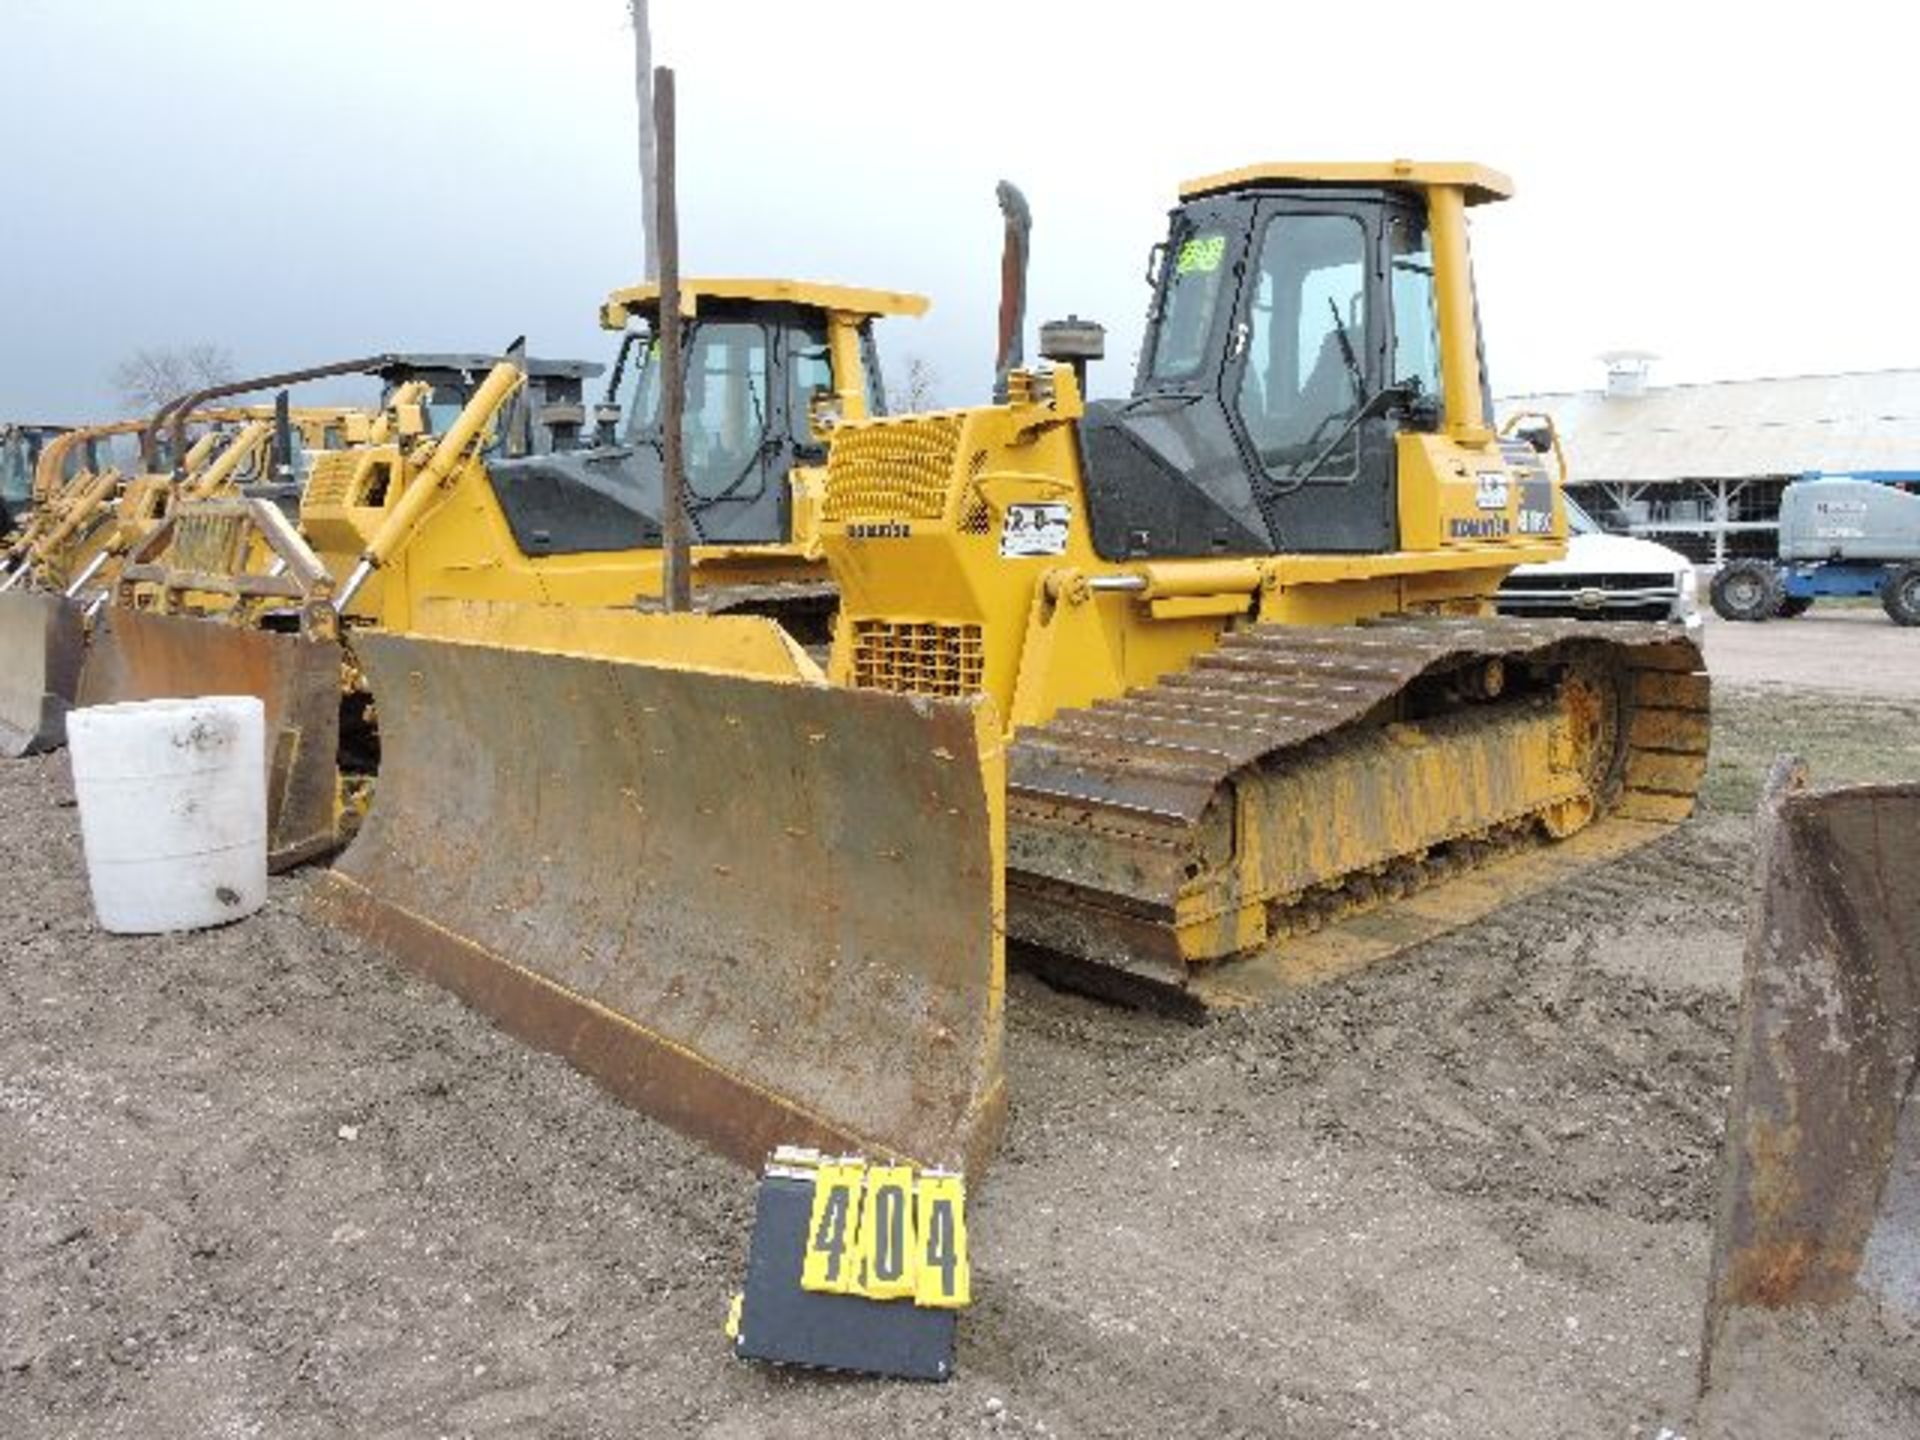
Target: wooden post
(677, 589)
(643, 92)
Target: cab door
(1306, 354)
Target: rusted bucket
(1816, 1259)
(138, 655)
(764, 911)
(42, 642)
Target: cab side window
(1190, 291)
(809, 371)
(1416, 337)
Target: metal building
(1701, 467)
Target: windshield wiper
(1346, 354)
(1401, 394)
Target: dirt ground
(257, 1181)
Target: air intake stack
(1074, 342)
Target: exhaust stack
(1011, 354)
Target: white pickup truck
(1606, 577)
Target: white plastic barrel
(173, 810)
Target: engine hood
(1611, 555)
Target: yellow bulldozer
(94, 506)
(576, 520)
(515, 494)
(1200, 693)
(85, 509)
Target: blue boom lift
(1840, 535)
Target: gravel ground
(257, 1181)
(1848, 647)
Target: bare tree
(643, 92)
(151, 376)
(914, 388)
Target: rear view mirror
(1420, 407)
(823, 413)
(1538, 436)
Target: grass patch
(1843, 739)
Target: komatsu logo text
(1480, 527)
(880, 530)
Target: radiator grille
(918, 658)
(331, 479)
(900, 470)
(209, 543)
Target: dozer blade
(1816, 1250)
(761, 910)
(137, 655)
(42, 640)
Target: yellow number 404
(883, 1233)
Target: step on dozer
(1813, 1311)
(757, 907)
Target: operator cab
(1293, 335)
(761, 359)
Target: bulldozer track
(1109, 806)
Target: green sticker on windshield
(1201, 255)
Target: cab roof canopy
(642, 299)
(1480, 184)
(420, 365)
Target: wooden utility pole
(643, 93)
(678, 581)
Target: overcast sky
(308, 181)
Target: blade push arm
(395, 531)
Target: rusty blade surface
(1820, 1185)
(762, 911)
(137, 655)
(42, 642)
